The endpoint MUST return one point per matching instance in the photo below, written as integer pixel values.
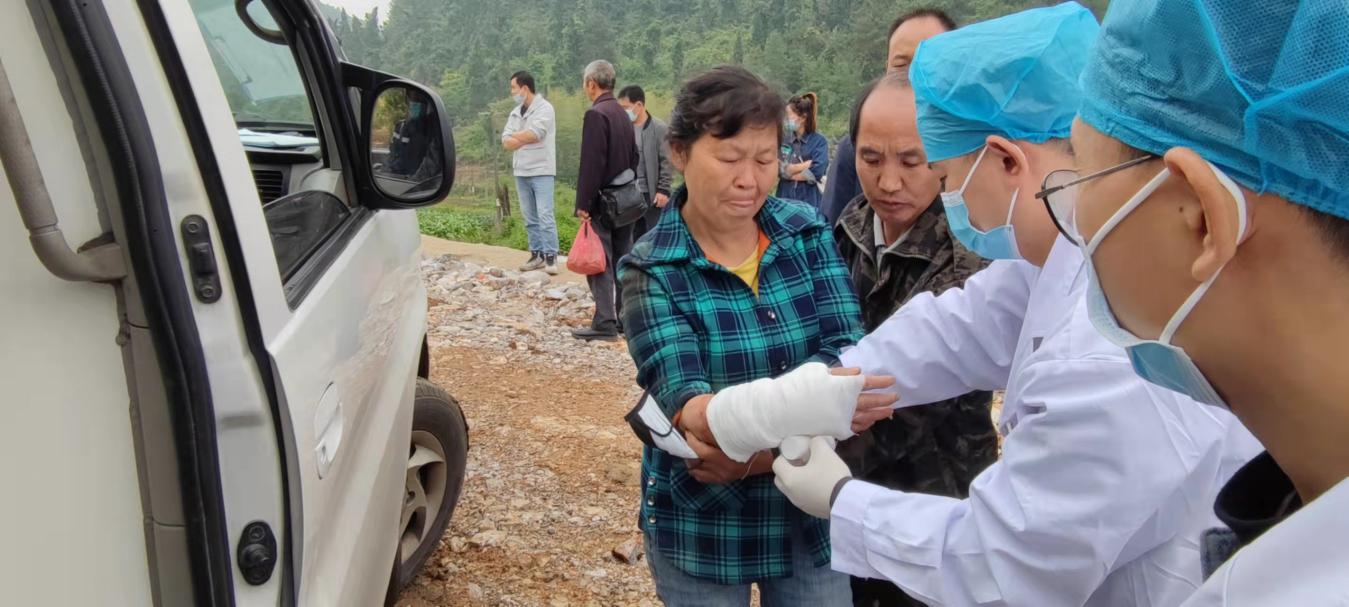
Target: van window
(260, 78)
(280, 131)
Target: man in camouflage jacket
(937, 448)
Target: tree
(465, 49)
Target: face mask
(1157, 361)
(632, 116)
(998, 243)
(415, 110)
(518, 99)
(791, 126)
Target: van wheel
(435, 475)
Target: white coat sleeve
(941, 347)
(1091, 462)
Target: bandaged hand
(808, 401)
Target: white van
(214, 358)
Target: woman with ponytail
(805, 152)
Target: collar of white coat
(1298, 562)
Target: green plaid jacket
(694, 328)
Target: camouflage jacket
(937, 448)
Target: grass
(473, 219)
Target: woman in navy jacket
(805, 152)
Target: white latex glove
(808, 401)
(811, 486)
(797, 448)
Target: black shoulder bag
(623, 203)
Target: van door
(331, 283)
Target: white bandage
(808, 401)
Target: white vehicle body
(234, 377)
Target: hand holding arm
(713, 467)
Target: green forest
(467, 49)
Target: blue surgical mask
(518, 99)
(1157, 360)
(997, 243)
(632, 116)
(790, 125)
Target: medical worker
(1105, 482)
(1220, 257)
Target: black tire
(436, 418)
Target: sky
(361, 7)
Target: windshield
(260, 79)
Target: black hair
(524, 79)
(633, 93)
(807, 106)
(933, 13)
(721, 102)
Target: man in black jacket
(607, 150)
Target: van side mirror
(406, 144)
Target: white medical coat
(1105, 482)
(1300, 562)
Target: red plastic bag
(587, 252)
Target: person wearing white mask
(1104, 483)
(531, 137)
(1213, 204)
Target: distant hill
(467, 49)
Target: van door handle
(328, 424)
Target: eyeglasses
(1059, 191)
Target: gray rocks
(535, 277)
(629, 552)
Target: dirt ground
(552, 489)
(552, 483)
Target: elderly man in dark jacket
(896, 243)
(607, 150)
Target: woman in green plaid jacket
(731, 286)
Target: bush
(468, 220)
(455, 224)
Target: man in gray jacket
(654, 171)
(531, 135)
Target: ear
(1217, 222)
(679, 157)
(1010, 155)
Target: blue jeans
(536, 204)
(809, 586)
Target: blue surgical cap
(1260, 89)
(1015, 76)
